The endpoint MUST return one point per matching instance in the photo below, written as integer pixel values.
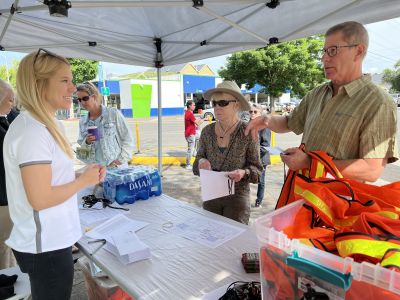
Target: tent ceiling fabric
(124, 31)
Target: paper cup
(93, 130)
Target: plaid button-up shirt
(359, 122)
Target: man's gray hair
(353, 33)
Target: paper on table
(127, 247)
(215, 184)
(274, 150)
(114, 226)
(97, 213)
(206, 231)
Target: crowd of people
(348, 117)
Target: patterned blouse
(241, 153)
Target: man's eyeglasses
(47, 52)
(221, 103)
(333, 50)
(253, 111)
(84, 98)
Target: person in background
(41, 183)
(224, 147)
(191, 125)
(7, 259)
(264, 136)
(114, 146)
(349, 117)
(13, 113)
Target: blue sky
(384, 51)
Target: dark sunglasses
(221, 103)
(84, 98)
(90, 200)
(46, 52)
(253, 111)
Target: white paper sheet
(206, 231)
(215, 184)
(274, 150)
(117, 225)
(95, 214)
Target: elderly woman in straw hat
(224, 147)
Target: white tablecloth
(178, 268)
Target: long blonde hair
(33, 76)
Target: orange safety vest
(346, 217)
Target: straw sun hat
(229, 87)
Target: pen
(103, 242)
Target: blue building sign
(197, 84)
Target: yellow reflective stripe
(318, 203)
(388, 214)
(370, 248)
(306, 242)
(315, 200)
(391, 260)
(320, 170)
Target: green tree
(9, 73)
(392, 77)
(292, 65)
(83, 69)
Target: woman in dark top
(7, 259)
(224, 147)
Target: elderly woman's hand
(236, 175)
(204, 164)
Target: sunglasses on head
(221, 103)
(45, 52)
(84, 98)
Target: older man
(349, 117)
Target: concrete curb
(177, 161)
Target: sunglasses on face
(84, 98)
(221, 103)
(253, 111)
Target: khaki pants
(7, 259)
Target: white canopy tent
(164, 32)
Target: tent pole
(159, 121)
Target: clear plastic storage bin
(291, 270)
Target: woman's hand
(93, 175)
(115, 164)
(236, 175)
(90, 138)
(204, 164)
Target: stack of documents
(121, 240)
(127, 247)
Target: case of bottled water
(126, 185)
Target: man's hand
(256, 125)
(296, 159)
(204, 164)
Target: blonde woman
(41, 184)
(224, 147)
(7, 259)
(113, 145)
